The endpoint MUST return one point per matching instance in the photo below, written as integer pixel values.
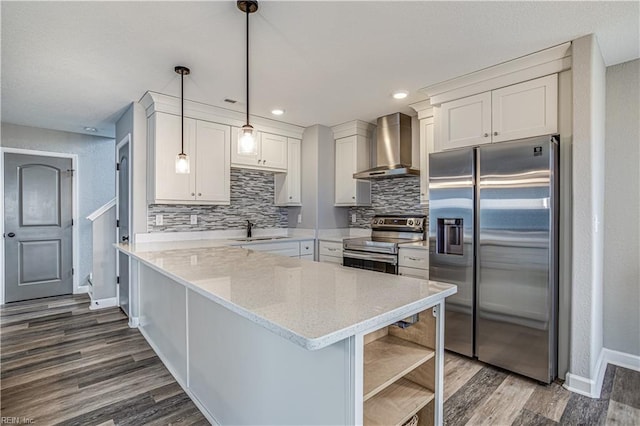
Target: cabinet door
(273, 152)
(169, 185)
(293, 171)
(526, 109)
(464, 122)
(244, 159)
(426, 147)
(212, 171)
(346, 163)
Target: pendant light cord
(247, 13)
(182, 111)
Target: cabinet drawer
(330, 248)
(307, 257)
(331, 259)
(413, 258)
(413, 272)
(306, 248)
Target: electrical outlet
(300, 218)
(159, 220)
(194, 219)
(353, 218)
(194, 259)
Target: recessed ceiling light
(277, 111)
(400, 94)
(90, 129)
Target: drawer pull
(332, 249)
(416, 259)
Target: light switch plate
(194, 219)
(353, 218)
(300, 218)
(159, 220)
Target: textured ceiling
(67, 65)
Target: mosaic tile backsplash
(252, 194)
(398, 195)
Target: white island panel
(235, 366)
(163, 319)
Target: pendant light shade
(247, 141)
(182, 161)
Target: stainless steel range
(379, 252)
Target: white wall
(588, 198)
(622, 209)
(96, 173)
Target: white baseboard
(593, 387)
(621, 359)
(103, 303)
(81, 290)
(134, 322)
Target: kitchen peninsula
(256, 338)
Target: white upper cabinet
(288, 185)
(464, 122)
(518, 111)
(352, 154)
(526, 109)
(426, 147)
(270, 153)
(212, 175)
(207, 146)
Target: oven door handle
(369, 256)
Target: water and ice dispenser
(450, 237)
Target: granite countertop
(310, 303)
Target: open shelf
(396, 404)
(388, 359)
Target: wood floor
(64, 364)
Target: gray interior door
(37, 226)
(123, 227)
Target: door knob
(495, 133)
(125, 238)
(11, 235)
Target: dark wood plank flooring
(62, 363)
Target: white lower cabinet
(413, 262)
(330, 251)
(302, 249)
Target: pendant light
(182, 161)
(247, 143)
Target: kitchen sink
(257, 239)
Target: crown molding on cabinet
(423, 108)
(539, 64)
(355, 127)
(158, 102)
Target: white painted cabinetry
(206, 144)
(352, 155)
(270, 153)
(288, 185)
(413, 262)
(426, 146)
(513, 112)
(330, 251)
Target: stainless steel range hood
(393, 148)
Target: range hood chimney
(393, 148)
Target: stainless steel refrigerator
(493, 214)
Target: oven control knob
(410, 222)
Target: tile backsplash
(252, 193)
(398, 195)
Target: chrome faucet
(249, 226)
